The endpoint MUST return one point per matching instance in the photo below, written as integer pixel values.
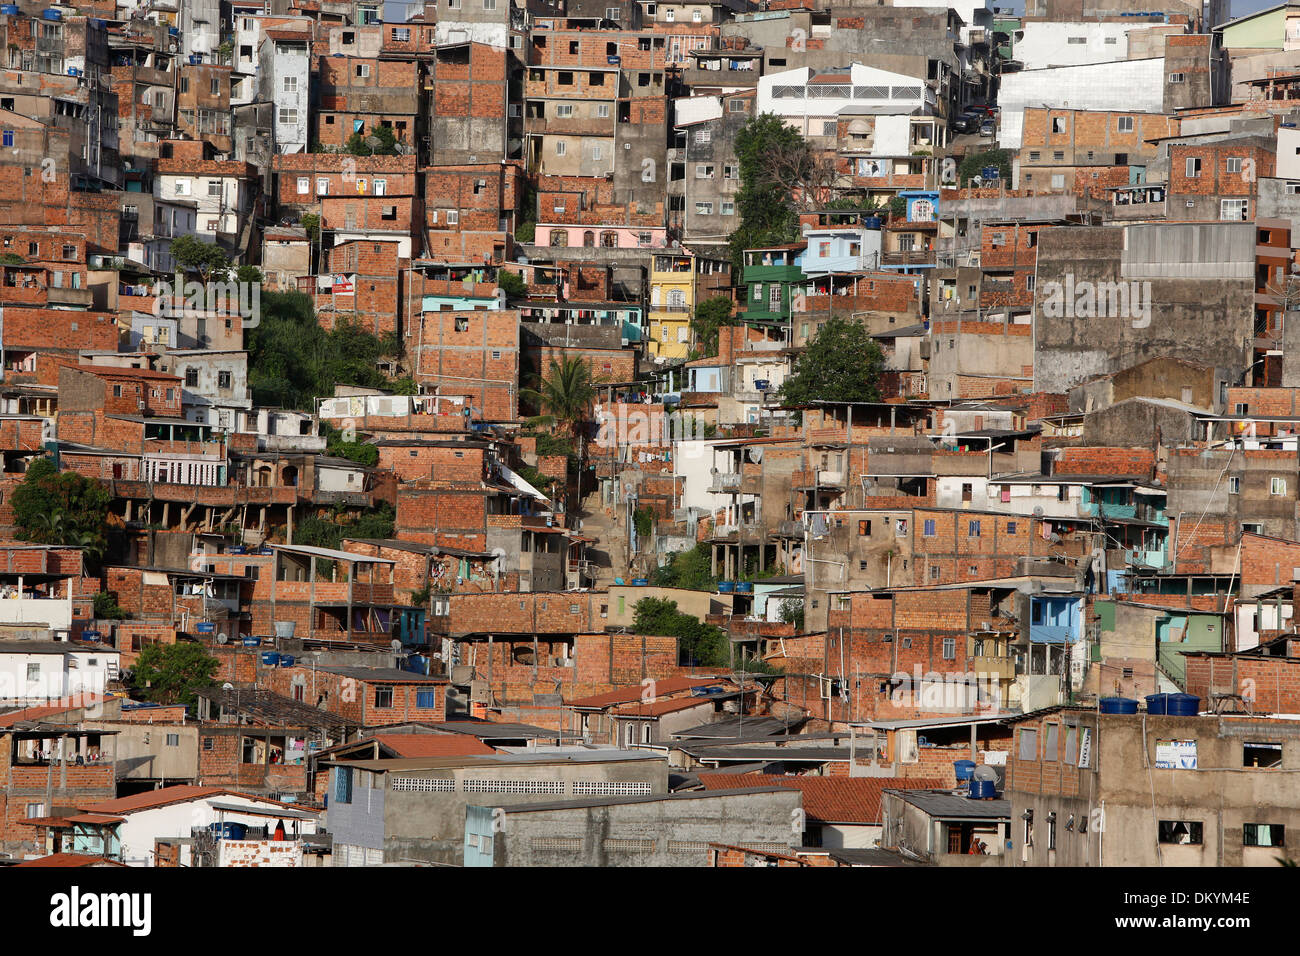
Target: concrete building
(1095, 789)
(661, 830)
(414, 810)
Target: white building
(284, 62)
(1132, 86)
(36, 672)
(1041, 45)
(812, 102)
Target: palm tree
(564, 398)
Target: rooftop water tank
(964, 769)
(1183, 705)
(9, 9)
(284, 629)
(726, 587)
(1118, 705)
(744, 587)
(983, 789)
(51, 14)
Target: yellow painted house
(672, 303)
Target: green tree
(512, 283)
(311, 223)
(563, 397)
(250, 275)
(710, 315)
(765, 203)
(61, 507)
(336, 444)
(688, 569)
(698, 644)
(792, 613)
(194, 255)
(973, 163)
(842, 363)
(106, 607)
(172, 673)
(379, 142)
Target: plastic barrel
(726, 587)
(1118, 705)
(744, 587)
(640, 582)
(286, 660)
(964, 769)
(983, 790)
(270, 658)
(1184, 705)
(1158, 703)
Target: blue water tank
(983, 789)
(229, 831)
(252, 641)
(9, 9)
(1184, 705)
(726, 587)
(1118, 705)
(270, 658)
(964, 769)
(1157, 703)
(640, 582)
(871, 222)
(51, 14)
(744, 587)
(286, 660)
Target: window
(1263, 834)
(974, 529)
(563, 110)
(602, 110)
(1234, 486)
(1076, 40)
(1058, 124)
(322, 187)
(342, 784)
(8, 137)
(1124, 124)
(363, 70)
(173, 740)
(950, 648)
(1233, 164)
(33, 671)
(561, 147)
(1028, 744)
(704, 208)
(191, 378)
(1011, 527)
(383, 697)
(402, 34)
(927, 529)
(1181, 832)
(864, 527)
(453, 217)
(304, 185)
(214, 187)
(1193, 167)
(426, 699)
(1050, 742)
(703, 136)
(223, 380)
(1176, 77)
(1277, 486)
(209, 743)
(728, 208)
(1234, 210)
(735, 106)
(703, 172)
(288, 116)
(1261, 755)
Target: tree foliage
(194, 255)
(172, 673)
(842, 363)
(688, 569)
(710, 315)
(699, 644)
(381, 141)
(61, 507)
(512, 283)
(564, 396)
(766, 206)
(973, 163)
(329, 531)
(292, 360)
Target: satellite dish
(227, 686)
(1038, 512)
(985, 772)
(223, 638)
(976, 182)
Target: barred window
(635, 846)
(557, 843)
(512, 786)
(591, 788)
(424, 784)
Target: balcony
(908, 257)
(817, 478)
(725, 483)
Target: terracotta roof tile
(632, 692)
(433, 745)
